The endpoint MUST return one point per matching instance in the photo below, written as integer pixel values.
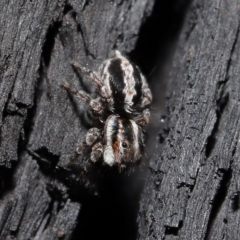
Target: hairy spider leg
(97, 151)
(93, 138)
(96, 80)
(96, 107)
(143, 119)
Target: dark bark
(192, 185)
(192, 189)
(40, 125)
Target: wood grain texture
(41, 125)
(192, 191)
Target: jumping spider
(120, 111)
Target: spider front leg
(143, 119)
(93, 138)
(93, 135)
(96, 107)
(80, 151)
(97, 81)
(93, 76)
(92, 141)
(97, 151)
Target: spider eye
(124, 145)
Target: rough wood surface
(40, 124)
(192, 191)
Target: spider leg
(143, 119)
(79, 151)
(96, 107)
(95, 79)
(97, 150)
(98, 83)
(79, 94)
(93, 135)
(93, 138)
(147, 99)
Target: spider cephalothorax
(120, 109)
(123, 141)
